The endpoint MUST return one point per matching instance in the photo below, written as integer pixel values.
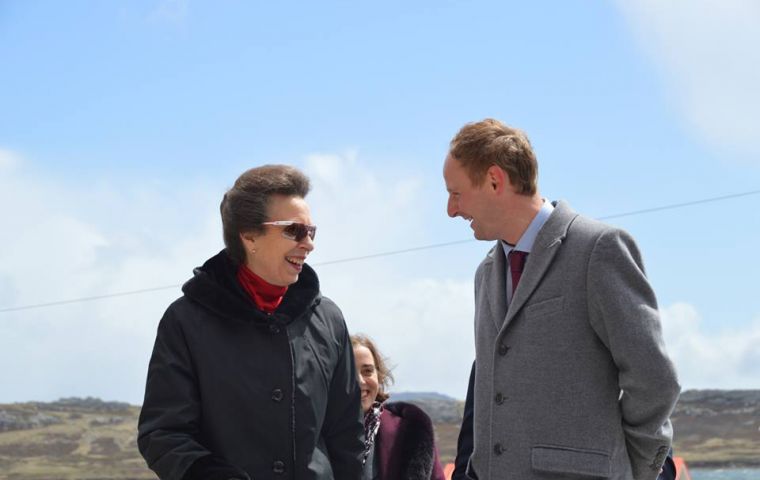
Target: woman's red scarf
(265, 295)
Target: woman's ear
(249, 241)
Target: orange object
(448, 469)
(682, 473)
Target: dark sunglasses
(294, 230)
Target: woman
(252, 374)
(399, 442)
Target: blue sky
(122, 124)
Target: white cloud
(423, 324)
(726, 359)
(60, 242)
(8, 160)
(708, 53)
(359, 211)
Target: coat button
(498, 449)
(499, 398)
(503, 349)
(278, 467)
(277, 395)
(274, 329)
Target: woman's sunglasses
(294, 230)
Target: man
(464, 442)
(571, 375)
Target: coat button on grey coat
(278, 467)
(498, 449)
(277, 395)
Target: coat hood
(215, 287)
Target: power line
(381, 254)
(87, 299)
(393, 252)
(679, 205)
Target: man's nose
(451, 207)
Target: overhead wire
(377, 255)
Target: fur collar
(215, 287)
(405, 443)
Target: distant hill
(87, 438)
(73, 438)
(407, 396)
(713, 428)
(441, 408)
(718, 428)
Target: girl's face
(368, 381)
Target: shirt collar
(525, 244)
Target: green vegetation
(91, 439)
(86, 442)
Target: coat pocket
(576, 461)
(544, 307)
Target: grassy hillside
(70, 439)
(713, 428)
(718, 428)
(91, 439)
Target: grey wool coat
(572, 380)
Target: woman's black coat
(235, 393)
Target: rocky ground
(70, 439)
(92, 439)
(713, 428)
(718, 428)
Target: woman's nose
(307, 244)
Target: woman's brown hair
(245, 206)
(384, 375)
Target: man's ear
(497, 179)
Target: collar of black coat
(215, 287)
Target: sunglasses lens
(299, 231)
(294, 232)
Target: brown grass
(98, 445)
(86, 446)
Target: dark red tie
(516, 265)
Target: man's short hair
(245, 206)
(479, 145)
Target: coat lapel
(545, 248)
(496, 285)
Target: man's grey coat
(572, 380)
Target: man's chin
(482, 236)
